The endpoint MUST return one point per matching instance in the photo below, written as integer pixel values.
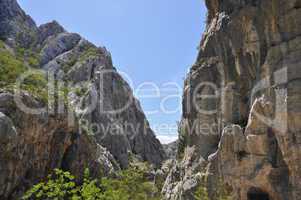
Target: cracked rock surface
(33, 145)
(251, 53)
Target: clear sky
(150, 40)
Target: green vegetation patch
(36, 84)
(130, 184)
(10, 68)
(81, 91)
(66, 66)
(90, 52)
(2, 45)
(183, 139)
(28, 56)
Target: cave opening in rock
(258, 194)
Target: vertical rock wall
(249, 64)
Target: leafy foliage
(183, 141)
(36, 84)
(28, 56)
(2, 46)
(89, 52)
(10, 67)
(130, 184)
(82, 90)
(13, 66)
(201, 193)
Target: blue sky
(150, 40)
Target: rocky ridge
(63, 135)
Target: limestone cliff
(241, 108)
(83, 113)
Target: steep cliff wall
(241, 107)
(86, 105)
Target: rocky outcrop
(57, 45)
(103, 100)
(33, 145)
(49, 29)
(171, 149)
(16, 26)
(92, 118)
(249, 66)
(120, 123)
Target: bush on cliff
(14, 65)
(130, 184)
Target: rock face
(33, 145)
(100, 126)
(249, 65)
(171, 149)
(15, 25)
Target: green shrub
(10, 68)
(59, 185)
(201, 193)
(36, 84)
(183, 141)
(33, 61)
(66, 66)
(2, 46)
(81, 91)
(28, 56)
(130, 185)
(89, 52)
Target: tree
(130, 184)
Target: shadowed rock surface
(171, 149)
(33, 145)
